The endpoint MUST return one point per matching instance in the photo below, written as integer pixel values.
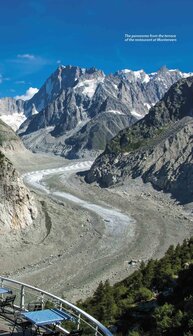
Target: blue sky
(37, 35)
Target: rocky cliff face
(78, 105)
(157, 148)
(10, 106)
(17, 207)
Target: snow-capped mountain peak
(133, 76)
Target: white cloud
(26, 56)
(29, 94)
(58, 62)
(1, 78)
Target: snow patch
(152, 74)
(186, 74)
(34, 111)
(14, 120)
(126, 71)
(115, 112)
(147, 105)
(146, 79)
(136, 75)
(136, 114)
(115, 86)
(89, 86)
(60, 77)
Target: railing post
(42, 300)
(1, 286)
(78, 322)
(96, 331)
(22, 298)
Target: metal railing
(25, 294)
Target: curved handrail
(98, 324)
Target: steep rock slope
(9, 140)
(74, 105)
(17, 207)
(158, 148)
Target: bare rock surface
(17, 206)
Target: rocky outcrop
(77, 107)
(17, 207)
(9, 140)
(157, 148)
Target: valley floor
(72, 247)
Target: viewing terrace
(26, 310)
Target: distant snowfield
(115, 112)
(13, 120)
(116, 223)
(136, 114)
(89, 86)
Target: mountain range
(157, 148)
(78, 111)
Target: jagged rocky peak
(163, 70)
(133, 76)
(65, 77)
(157, 148)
